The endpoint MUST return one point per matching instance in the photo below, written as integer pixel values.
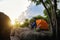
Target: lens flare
(12, 22)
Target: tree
(17, 23)
(50, 8)
(25, 24)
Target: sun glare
(12, 22)
(21, 23)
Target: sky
(21, 9)
(13, 8)
(58, 5)
(34, 10)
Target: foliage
(17, 23)
(25, 24)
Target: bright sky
(13, 8)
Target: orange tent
(42, 24)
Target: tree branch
(56, 26)
(47, 11)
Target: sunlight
(12, 22)
(21, 23)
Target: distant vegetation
(28, 21)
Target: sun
(12, 22)
(22, 23)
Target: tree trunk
(49, 16)
(48, 12)
(54, 19)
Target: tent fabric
(42, 24)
